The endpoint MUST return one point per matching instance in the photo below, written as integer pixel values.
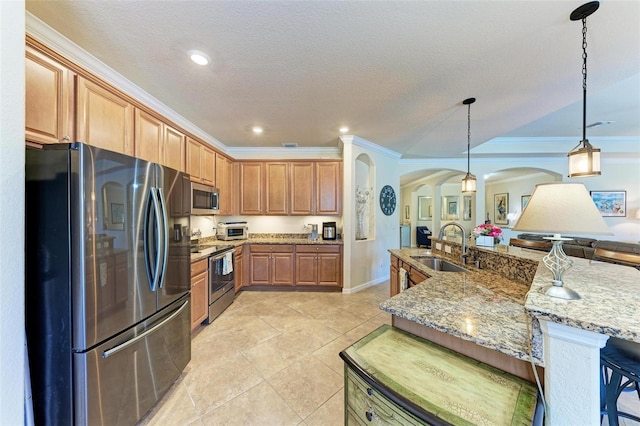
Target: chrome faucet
(464, 239)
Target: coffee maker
(328, 230)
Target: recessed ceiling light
(344, 129)
(257, 130)
(199, 57)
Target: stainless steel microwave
(204, 199)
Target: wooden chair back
(538, 245)
(627, 259)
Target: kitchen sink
(438, 264)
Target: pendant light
(469, 181)
(584, 159)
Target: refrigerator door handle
(155, 274)
(164, 241)
(116, 349)
(145, 239)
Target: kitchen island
(496, 311)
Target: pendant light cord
(584, 78)
(468, 138)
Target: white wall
(367, 261)
(12, 212)
(619, 172)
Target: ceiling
(394, 72)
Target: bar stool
(620, 369)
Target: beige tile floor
(272, 359)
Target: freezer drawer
(117, 382)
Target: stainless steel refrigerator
(107, 283)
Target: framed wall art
(466, 205)
(610, 203)
(501, 208)
(524, 200)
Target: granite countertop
(479, 306)
(261, 239)
(609, 299)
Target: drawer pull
(369, 391)
(369, 415)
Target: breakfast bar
(497, 314)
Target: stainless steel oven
(221, 282)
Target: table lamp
(560, 208)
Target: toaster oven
(232, 231)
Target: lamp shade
(561, 208)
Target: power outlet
(438, 246)
(447, 249)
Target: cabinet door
(251, 188)
(103, 118)
(282, 269)
(306, 268)
(199, 299)
(148, 136)
(330, 269)
(394, 282)
(224, 183)
(208, 166)
(259, 269)
(329, 188)
(276, 188)
(302, 188)
(173, 149)
(193, 160)
(48, 99)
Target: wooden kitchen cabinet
(208, 166)
(149, 132)
(394, 279)
(224, 183)
(316, 188)
(302, 188)
(251, 192)
(173, 149)
(238, 268)
(271, 264)
(328, 188)
(193, 166)
(103, 119)
(201, 162)
(199, 292)
(49, 99)
(319, 265)
(276, 187)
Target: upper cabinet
(174, 149)
(316, 188)
(103, 119)
(328, 188)
(149, 132)
(276, 188)
(224, 183)
(201, 162)
(291, 188)
(48, 99)
(251, 192)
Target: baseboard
(364, 285)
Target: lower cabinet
(319, 265)
(199, 292)
(414, 276)
(271, 264)
(238, 268)
(303, 265)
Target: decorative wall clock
(387, 200)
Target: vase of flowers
(487, 234)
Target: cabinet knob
(369, 415)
